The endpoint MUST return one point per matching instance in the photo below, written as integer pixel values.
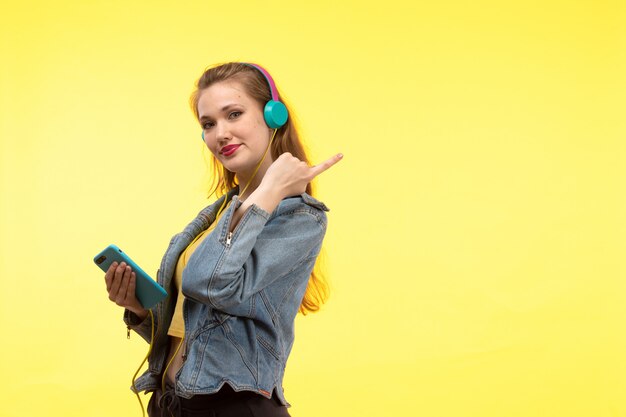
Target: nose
(221, 131)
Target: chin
(235, 168)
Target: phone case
(147, 290)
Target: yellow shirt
(177, 326)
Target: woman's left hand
(289, 176)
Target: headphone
(275, 112)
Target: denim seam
(253, 372)
(196, 369)
(211, 325)
(268, 305)
(267, 345)
(252, 306)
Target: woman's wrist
(140, 313)
(265, 197)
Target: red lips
(229, 149)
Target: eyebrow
(226, 107)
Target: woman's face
(233, 126)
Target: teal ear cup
(275, 114)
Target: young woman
(238, 274)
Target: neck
(248, 183)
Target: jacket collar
(311, 201)
(211, 211)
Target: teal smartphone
(148, 291)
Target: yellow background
(476, 235)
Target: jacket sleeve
(142, 328)
(225, 271)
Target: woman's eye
(232, 115)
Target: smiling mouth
(229, 150)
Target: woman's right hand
(121, 284)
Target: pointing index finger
(321, 167)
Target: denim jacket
(242, 293)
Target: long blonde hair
(287, 139)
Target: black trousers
(224, 403)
